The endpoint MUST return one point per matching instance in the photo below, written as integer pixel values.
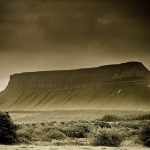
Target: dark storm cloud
(45, 23)
(62, 34)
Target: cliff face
(122, 86)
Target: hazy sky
(65, 34)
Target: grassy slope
(123, 86)
(108, 97)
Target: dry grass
(33, 147)
(68, 115)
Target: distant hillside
(119, 86)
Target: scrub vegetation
(109, 131)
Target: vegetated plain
(81, 129)
(68, 115)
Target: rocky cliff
(119, 86)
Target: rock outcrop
(119, 86)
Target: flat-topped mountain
(118, 86)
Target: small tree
(7, 129)
(145, 136)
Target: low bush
(102, 124)
(108, 137)
(110, 118)
(71, 123)
(7, 129)
(50, 128)
(145, 136)
(77, 130)
(52, 123)
(142, 117)
(132, 125)
(54, 134)
(24, 136)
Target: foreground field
(77, 130)
(32, 147)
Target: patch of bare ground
(34, 147)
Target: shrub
(102, 124)
(110, 118)
(52, 123)
(83, 121)
(24, 136)
(7, 129)
(71, 123)
(54, 134)
(145, 136)
(62, 123)
(108, 137)
(50, 128)
(77, 131)
(142, 117)
(42, 123)
(132, 125)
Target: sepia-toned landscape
(74, 75)
(87, 118)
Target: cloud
(48, 23)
